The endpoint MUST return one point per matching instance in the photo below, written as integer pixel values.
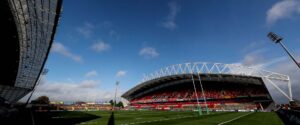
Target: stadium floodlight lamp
(277, 39)
(274, 37)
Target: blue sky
(99, 42)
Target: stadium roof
(216, 71)
(155, 84)
(30, 28)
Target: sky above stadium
(100, 42)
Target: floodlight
(277, 39)
(274, 37)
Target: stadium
(181, 94)
(211, 86)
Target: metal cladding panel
(12, 94)
(36, 22)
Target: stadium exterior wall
(36, 24)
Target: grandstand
(28, 28)
(27, 33)
(216, 86)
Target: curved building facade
(29, 27)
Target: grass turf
(183, 118)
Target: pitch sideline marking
(235, 118)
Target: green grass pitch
(184, 118)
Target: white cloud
(256, 55)
(100, 46)
(121, 73)
(89, 83)
(174, 9)
(254, 58)
(258, 59)
(149, 52)
(87, 90)
(86, 30)
(283, 9)
(256, 44)
(61, 49)
(92, 73)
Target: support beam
(282, 92)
